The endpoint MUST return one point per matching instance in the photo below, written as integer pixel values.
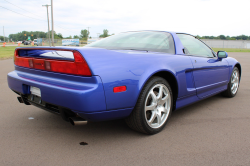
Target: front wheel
(153, 107)
(233, 85)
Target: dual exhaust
(21, 100)
(75, 121)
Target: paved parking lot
(215, 131)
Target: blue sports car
(141, 76)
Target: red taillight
(119, 89)
(77, 67)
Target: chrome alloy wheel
(235, 81)
(157, 106)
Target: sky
(197, 17)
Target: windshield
(142, 41)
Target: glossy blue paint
(178, 45)
(93, 98)
(209, 73)
(77, 93)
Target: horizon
(194, 17)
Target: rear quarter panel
(133, 69)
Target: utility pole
(88, 34)
(3, 34)
(48, 22)
(98, 35)
(52, 24)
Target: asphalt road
(215, 131)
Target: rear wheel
(153, 107)
(233, 85)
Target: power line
(21, 14)
(34, 18)
(21, 8)
(30, 17)
(30, 12)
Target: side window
(194, 46)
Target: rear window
(142, 41)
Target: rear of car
(35, 42)
(58, 80)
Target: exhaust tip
(75, 121)
(20, 99)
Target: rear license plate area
(35, 91)
(36, 99)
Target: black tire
(229, 92)
(138, 118)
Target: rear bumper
(78, 96)
(82, 95)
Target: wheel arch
(239, 67)
(170, 78)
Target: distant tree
(197, 36)
(105, 33)
(76, 37)
(2, 38)
(84, 34)
(244, 37)
(58, 36)
(70, 37)
(33, 35)
(222, 37)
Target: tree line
(223, 37)
(20, 36)
(2, 38)
(84, 34)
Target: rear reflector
(77, 67)
(119, 89)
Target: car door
(211, 74)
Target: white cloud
(198, 17)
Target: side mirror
(222, 54)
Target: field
(8, 52)
(231, 49)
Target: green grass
(7, 52)
(231, 49)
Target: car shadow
(118, 128)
